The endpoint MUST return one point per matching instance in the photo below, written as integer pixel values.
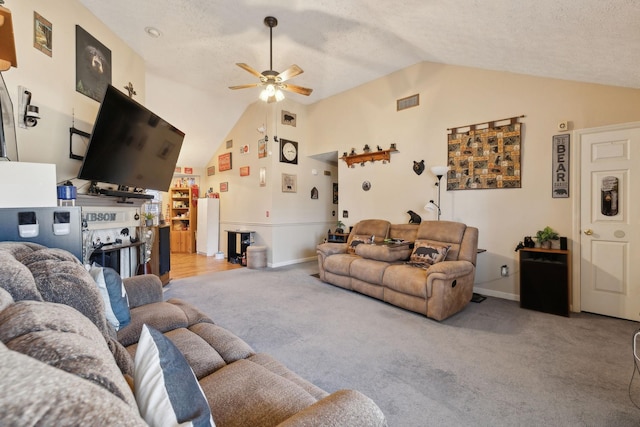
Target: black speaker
(563, 243)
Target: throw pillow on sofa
(166, 389)
(113, 293)
(357, 240)
(428, 253)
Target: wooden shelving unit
(371, 156)
(183, 220)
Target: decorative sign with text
(560, 173)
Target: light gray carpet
(493, 364)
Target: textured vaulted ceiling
(341, 44)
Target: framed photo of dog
(93, 65)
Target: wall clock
(288, 151)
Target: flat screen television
(130, 146)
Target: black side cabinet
(545, 277)
(237, 243)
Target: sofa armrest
(144, 289)
(342, 408)
(327, 249)
(447, 271)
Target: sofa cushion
(388, 253)
(5, 299)
(406, 232)
(166, 388)
(406, 279)
(162, 316)
(443, 233)
(427, 253)
(113, 295)
(278, 368)
(370, 227)
(67, 282)
(339, 263)
(275, 398)
(368, 270)
(229, 346)
(34, 393)
(60, 336)
(202, 357)
(16, 278)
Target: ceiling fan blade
(290, 72)
(249, 69)
(245, 86)
(297, 89)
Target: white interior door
(610, 221)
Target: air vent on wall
(408, 102)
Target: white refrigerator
(208, 233)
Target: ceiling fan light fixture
(272, 81)
(270, 89)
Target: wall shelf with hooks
(371, 156)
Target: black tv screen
(130, 146)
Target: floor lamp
(438, 171)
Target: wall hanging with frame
(288, 118)
(93, 65)
(263, 177)
(485, 155)
(224, 162)
(560, 173)
(42, 34)
(289, 183)
(262, 148)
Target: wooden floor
(187, 265)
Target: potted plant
(148, 218)
(339, 227)
(545, 236)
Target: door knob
(588, 232)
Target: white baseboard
(496, 294)
(292, 261)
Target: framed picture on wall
(93, 65)
(224, 187)
(288, 118)
(263, 177)
(289, 183)
(42, 34)
(262, 148)
(224, 162)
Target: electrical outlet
(504, 271)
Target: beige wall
(453, 96)
(52, 80)
(295, 223)
(450, 96)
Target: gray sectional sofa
(63, 364)
(406, 275)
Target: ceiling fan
(272, 81)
